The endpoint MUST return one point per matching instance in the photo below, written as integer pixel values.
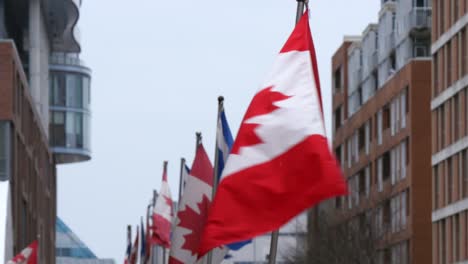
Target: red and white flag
(27, 256)
(280, 163)
(193, 211)
(162, 214)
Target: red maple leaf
(262, 103)
(194, 222)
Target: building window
(380, 174)
(57, 129)
(449, 64)
(362, 138)
(379, 126)
(338, 117)
(349, 150)
(337, 80)
(456, 237)
(441, 125)
(464, 173)
(368, 138)
(419, 3)
(442, 243)
(386, 169)
(456, 117)
(464, 51)
(435, 202)
(5, 150)
(386, 118)
(393, 65)
(375, 77)
(338, 202)
(448, 198)
(435, 73)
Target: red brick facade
(33, 175)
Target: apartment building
(44, 117)
(449, 106)
(381, 130)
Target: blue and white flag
(223, 145)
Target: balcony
(70, 113)
(59, 58)
(420, 18)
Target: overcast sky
(158, 68)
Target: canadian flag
(27, 256)
(162, 214)
(193, 211)
(280, 163)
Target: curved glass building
(69, 100)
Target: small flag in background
(129, 246)
(27, 256)
(224, 143)
(134, 252)
(162, 215)
(143, 244)
(280, 163)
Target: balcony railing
(418, 18)
(65, 59)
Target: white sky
(158, 68)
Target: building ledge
(450, 210)
(449, 92)
(449, 151)
(448, 35)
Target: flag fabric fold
(162, 214)
(192, 213)
(27, 256)
(280, 163)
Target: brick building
(449, 106)
(25, 160)
(381, 130)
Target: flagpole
(275, 234)
(300, 9)
(148, 234)
(154, 249)
(181, 181)
(215, 167)
(216, 159)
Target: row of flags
(279, 165)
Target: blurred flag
(27, 256)
(143, 244)
(134, 252)
(129, 246)
(280, 163)
(193, 210)
(224, 143)
(162, 214)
